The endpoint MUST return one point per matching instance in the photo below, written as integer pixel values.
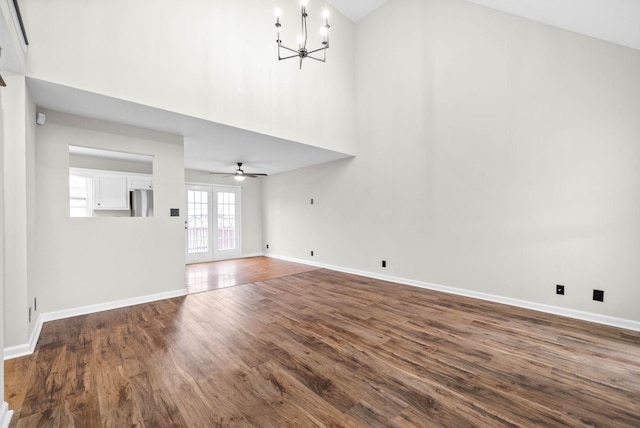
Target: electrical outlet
(311, 201)
(598, 295)
(384, 263)
(312, 253)
(267, 246)
(559, 289)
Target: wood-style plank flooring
(229, 273)
(322, 348)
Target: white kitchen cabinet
(136, 183)
(111, 192)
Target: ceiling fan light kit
(302, 52)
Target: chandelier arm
(289, 49)
(317, 50)
(287, 57)
(317, 59)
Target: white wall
(212, 59)
(109, 164)
(1, 251)
(18, 180)
(251, 206)
(495, 154)
(10, 110)
(31, 200)
(86, 261)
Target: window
(80, 194)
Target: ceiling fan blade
(240, 173)
(2, 81)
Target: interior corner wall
(16, 179)
(495, 154)
(215, 60)
(97, 260)
(251, 206)
(1, 248)
(31, 201)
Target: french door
(213, 223)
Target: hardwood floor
(228, 273)
(322, 348)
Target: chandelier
(303, 52)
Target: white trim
(28, 348)
(5, 415)
(248, 255)
(566, 312)
(243, 256)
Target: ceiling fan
(239, 174)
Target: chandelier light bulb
(303, 3)
(325, 14)
(278, 13)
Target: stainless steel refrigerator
(141, 203)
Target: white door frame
(213, 254)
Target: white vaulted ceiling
(615, 21)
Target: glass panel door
(213, 223)
(226, 245)
(198, 237)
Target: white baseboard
(570, 313)
(242, 256)
(247, 255)
(5, 415)
(28, 348)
